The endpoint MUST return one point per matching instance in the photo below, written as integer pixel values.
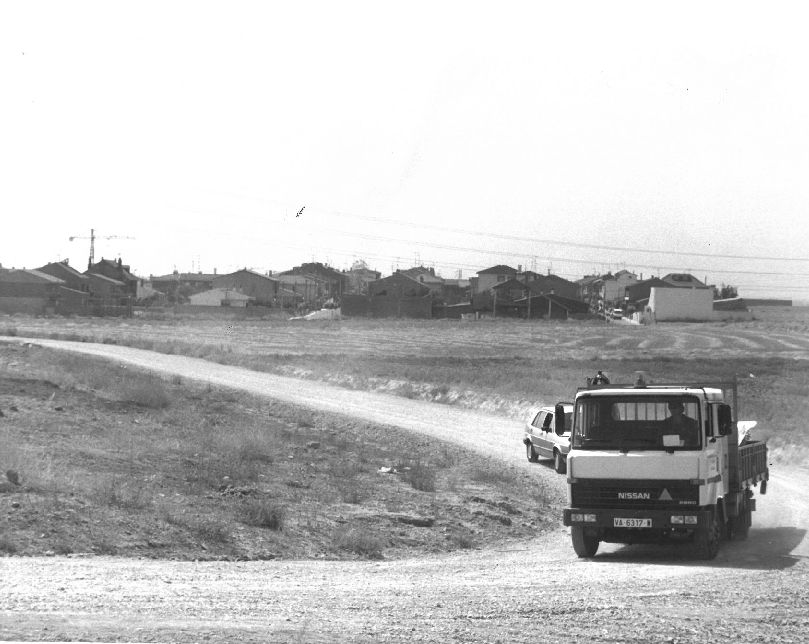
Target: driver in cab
(678, 423)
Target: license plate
(631, 523)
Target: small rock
(13, 408)
(59, 408)
(13, 476)
(313, 444)
(15, 504)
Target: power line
(557, 242)
(587, 261)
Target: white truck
(654, 463)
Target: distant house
(489, 277)
(678, 304)
(220, 297)
(358, 277)
(335, 283)
(36, 293)
(590, 291)
(455, 291)
(544, 284)
(179, 286)
(614, 287)
(551, 306)
(308, 289)
(72, 278)
(262, 288)
(683, 280)
(509, 291)
(427, 277)
(118, 271)
(108, 291)
(398, 285)
(639, 293)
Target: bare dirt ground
(755, 591)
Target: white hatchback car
(542, 440)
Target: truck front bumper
(673, 519)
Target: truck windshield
(632, 422)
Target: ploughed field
(775, 332)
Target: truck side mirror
(559, 419)
(725, 420)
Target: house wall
(669, 304)
(385, 306)
(25, 305)
(263, 289)
(219, 297)
(487, 280)
(311, 288)
(614, 290)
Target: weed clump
(359, 541)
(264, 513)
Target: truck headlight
(690, 519)
(677, 520)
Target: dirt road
(756, 590)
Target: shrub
(7, 546)
(264, 513)
(359, 541)
(122, 493)
(421, 477)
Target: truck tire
(739, 527)
(559, 463)
(707, 538)
(530, 452)
(585, 545)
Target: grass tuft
(263, 513)
(359, 541)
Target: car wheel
(533, 457)
(559, 463)
(584, 544)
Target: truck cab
(658, 463)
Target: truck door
(716, 454)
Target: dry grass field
(115, 461)
(97, 458)
(501, 366)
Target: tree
(725, 292)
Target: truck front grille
(651, 495)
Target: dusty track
(756, 590)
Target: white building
(220, 297)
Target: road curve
(536, 589)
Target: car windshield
(632, 422)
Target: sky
(574, 138)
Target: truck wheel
(559, 463)
(741, 524)
(533, 457)
(706, 539)
(585, 545)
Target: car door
(545, 441)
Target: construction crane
(93, 238)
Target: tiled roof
(27, 276)
(500, 268)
